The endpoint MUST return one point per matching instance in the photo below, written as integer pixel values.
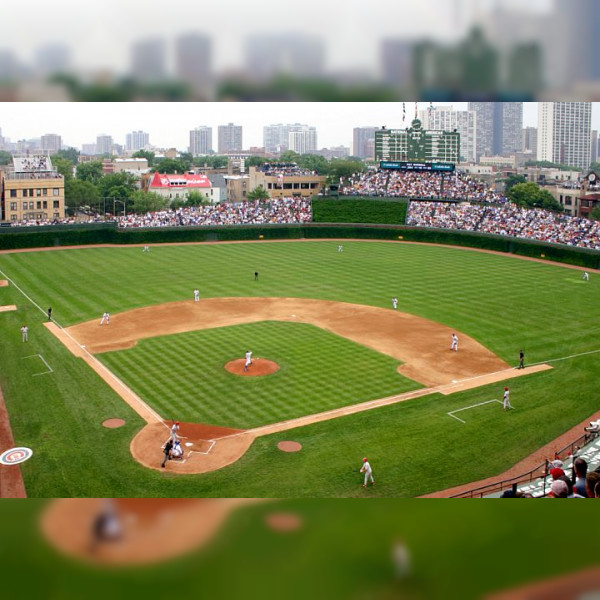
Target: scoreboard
(403, 165)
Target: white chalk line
(89, 354)
(451, 413)
(50, 370)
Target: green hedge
(360, 210)
(17, 238)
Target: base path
(11, 480)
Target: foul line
(451, 413)
(565, 357)
(50, 370)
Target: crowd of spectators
(284, 170)
(508, 219)
(408, 184)
(259, 212)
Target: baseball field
(326, 319)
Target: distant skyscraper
(530, 140)
(304, 140)
(230, 138)
(298, 55)
(53, 58)
(594, 148)
(148, 60)
(136, 140)
(88, 149)
(9, 66)
(200, 141)
(193, 59)
(564, 133)
(499, 127)
(363, 142)
(445, 118)
(51, 142)
(104, 144)
(396, 58)
(276, 138)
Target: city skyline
(169, 124)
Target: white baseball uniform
(366, 469)
(454, 345)
(196, 295)
(248, 360)
(506, 400)
(105, 318)
(395, 303)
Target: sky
(169, 124)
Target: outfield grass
(458, 550)
(319, 371)
(503, 302)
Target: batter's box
(451, 413)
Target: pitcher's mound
(259, 366)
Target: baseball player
(146, 249)
(366, 469)
(395, 302)
(454, 344)
(506, 399)
(586, 276)
(196, 295)
(521, 359)
(175, 432)
(25, 333)
(340, 248)
(248, 360)
(105, 319)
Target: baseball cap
(560, 489)
(365, 459)
(556, 472)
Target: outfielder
(366, 469)
(248, 360)
(586, 276)
(454, 344)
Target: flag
(403, 112)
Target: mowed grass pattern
(183, 377)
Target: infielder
(454, 344)
(105, 319)
(506, 399)
(395, 302)
(196, 295)
(248, 360)
(366, 469)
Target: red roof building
(179, 185)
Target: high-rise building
(230, 138)
(499, 127)
(136, 140)
(363, 142)
(298, 55)
(53, 58)
(303, 140)
(200, 141)
(193, 59)
(594, 147)
(51, 143)
(445, 118)
(396, 59)
(104, 144)
(276, 138)
(564, 133)
(149, 59)
(530, 140)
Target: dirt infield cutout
(113, 423)
(258, 368)
(8, 308)
(423, 346)
(3, 283)
(290, 446)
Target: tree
(595, 214)
(144, 202)
(258, 193)
(344, 168)
(195, 198)
(513, 180)
(313, 162)
(117, 185)
(289, 156)
(187, 159)
(5, 157)
(169, 165)
(531, 195)
(81, 193)
(147, 154)
(71, 154)
(64, 166)
(257, 161)
(91, 171)
(213, 161)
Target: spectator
(580, 469)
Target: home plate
(188, 444)
(293, 316)
(455, 381)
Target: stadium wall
(74, 235)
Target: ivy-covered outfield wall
(39, 237)
(390, 211)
